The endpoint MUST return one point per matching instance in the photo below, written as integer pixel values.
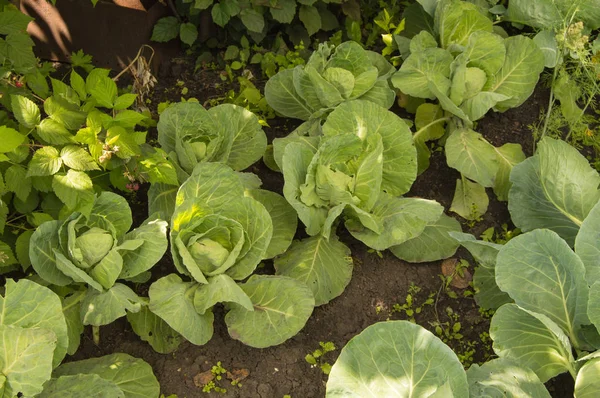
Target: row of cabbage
(350, 162)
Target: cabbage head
(329, 78)
(223, 226)
(90, 254)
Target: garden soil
(379, 281)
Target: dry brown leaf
(202, 379)
(449, 270)
(238, 375)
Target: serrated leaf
(54, 132)
(188, 33)
(25, 111)
(124, 101)
(311, 19)
(165, 29)
(75, 190)
(11, 139)
(17, 181)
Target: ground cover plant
(176, 232)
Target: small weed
(213, 385)
(409, 308)
(499, 237)
(316, 358)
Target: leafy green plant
(95, 251)
(329, 78)
(190, 135)
(355, 170)
(316, 357)
(221, 229)
(36, 337)
(468, 66)
(252, 17)
(399, 358)
(566, 38)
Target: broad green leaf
(587, 245)
(13, 21)
(114, 209)
(568, 93)
(128, 119)
(188, 33)
(161, 200)
(43, 241)
(555, 189)
(478, 106)
(296, 159)
(252, 19)
(504, 378)
(474, 157)
(380, 94)
(422, 41)
(587, 383)
(161, 337)
(364, 119)
(22, 249)
(77, 158)
(11, 139)
(220, 289)
(154, 237)
(124, 101)
(284, 218)
(165, 29)
(66, 266)
(220, 14)
(487, 293)
(433, 244)
(546, 41)
(25, 111)
(542, 274)
(552, 14)
(249, 140)
(396, 358)
(78, 84)
(26, 359)
(74, 189)
(532, 340)
(470, 200)
(327, 93)
(54, 132)
(507, 156)
(133, 376)
(282, 307)
(64, 113)
(173, 300)
(311, 19)
(107, 271)
(402, 218)
(323, 263)
(104, 91)
(283, 97)
(594, 304)
(17, 181)
(71, 304)
(364, 82)
(520, 73)
(284, 12)
(415, 74)
(343, 80)
(18, 48)
(7, 257)
(102, 308)
(455, 21)
(80, 386)
(486, 51)
(429, 121)
(28, 305)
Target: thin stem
(139, 53)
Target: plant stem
(96, 334)
(550, 106)
(440, 120)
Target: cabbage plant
(87, 256)
(470, 67)
(190, 134)
(355, 173)
(35, 339)
(221, 229)
(401, 359)
(329, 78)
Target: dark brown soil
(377, 284)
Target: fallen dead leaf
(238, 375)
(449, 269)
(202, 379)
